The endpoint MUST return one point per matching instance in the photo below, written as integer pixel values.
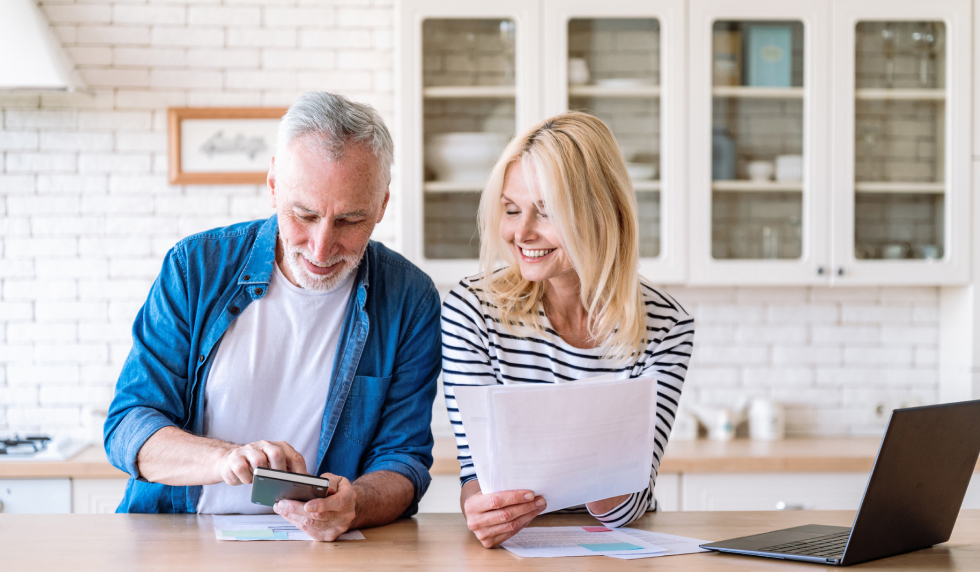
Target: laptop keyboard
(829, 546)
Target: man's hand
(323, 519)
(496, 517)
(237, 465)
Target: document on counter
(673, 545)
(557, 541)
(571, 443)
(264, 527)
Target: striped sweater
(477, 350)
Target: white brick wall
(86, 216)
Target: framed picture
(221, 145)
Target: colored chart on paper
(610, 547)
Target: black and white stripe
(477, 350)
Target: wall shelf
(899, 187)
(603, 91)
(646, 186)
(747, 92)
(451, 187)
(470, 92)
(901, 94)
(758, 186)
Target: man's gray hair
(331, 123)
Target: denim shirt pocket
(362, 410)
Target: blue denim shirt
(379, 405)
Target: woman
(560, 299)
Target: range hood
(31, 56)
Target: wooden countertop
(427, 542)
(841, 455)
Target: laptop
(917, 485)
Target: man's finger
(256, 458)
(241, 469)
(295, 462)
(275, 455)
(494, 501)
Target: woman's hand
(496, 517)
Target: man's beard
(305, 279)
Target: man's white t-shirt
(270, 379)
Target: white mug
(767, 420)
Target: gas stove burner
(27, 445)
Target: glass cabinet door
(898, 184)
(613, 62)
(758, 166)
(470, 94)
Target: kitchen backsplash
(87, 216)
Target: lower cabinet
(35, 496)
(96, 496)
(772, 491)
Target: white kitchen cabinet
(628, 65)
(972, 498)
(901, 152)
(765, 491)
(97, 496)
(866, 128)
(35, 496)
(442, 496)
(668, 492)
(758, 96)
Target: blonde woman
(560, 299)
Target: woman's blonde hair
(573, 161)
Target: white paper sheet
(673, 544)
(559, 541)
(263, 527)
(571, 443)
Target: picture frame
(221, 145)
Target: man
(295, 336)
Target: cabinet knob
(821, 270)
(840, 270)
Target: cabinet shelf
(470, 92)
(644, 186)
(899, 188)
(758, 186)
(603, 91)
(901, 94)
(747, 92)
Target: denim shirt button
(258, 291)
(201, 358)
(246, 277)
(233, 309)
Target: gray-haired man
(293, 343)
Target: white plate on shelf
(621, 82)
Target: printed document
(557, 541)
(571, 443)
(673, 544)
(263, 527)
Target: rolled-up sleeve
(151, 387)
(403, 441)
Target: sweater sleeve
(666, 361)
(465, 361)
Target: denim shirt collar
(259, 266)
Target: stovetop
(38, 448)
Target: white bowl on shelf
(464, 157)
(641, 171)
(624, 82)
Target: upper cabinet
(901, 153)
(758, 135)
(770, 142)
(622, 61)
(470, 80)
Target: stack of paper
(264, 527)
(622, 543)
(570, 443)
